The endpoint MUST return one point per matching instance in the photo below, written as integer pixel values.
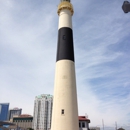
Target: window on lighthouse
(62, 111)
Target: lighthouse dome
(65, 0)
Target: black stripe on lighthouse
(65, 48)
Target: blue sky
(28, 42)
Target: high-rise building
(4, 108)
(14, 112)
(65, 110)
(42, 112)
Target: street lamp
(126, 6)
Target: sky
(101, 32)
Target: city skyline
(28, 43)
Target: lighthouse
(65, 110)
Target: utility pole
(103, 124)
(116, 125)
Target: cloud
(102, 72)
(28, 41)
(27, 55)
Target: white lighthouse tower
(65, 110)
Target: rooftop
(83, 118)
(25, 115)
